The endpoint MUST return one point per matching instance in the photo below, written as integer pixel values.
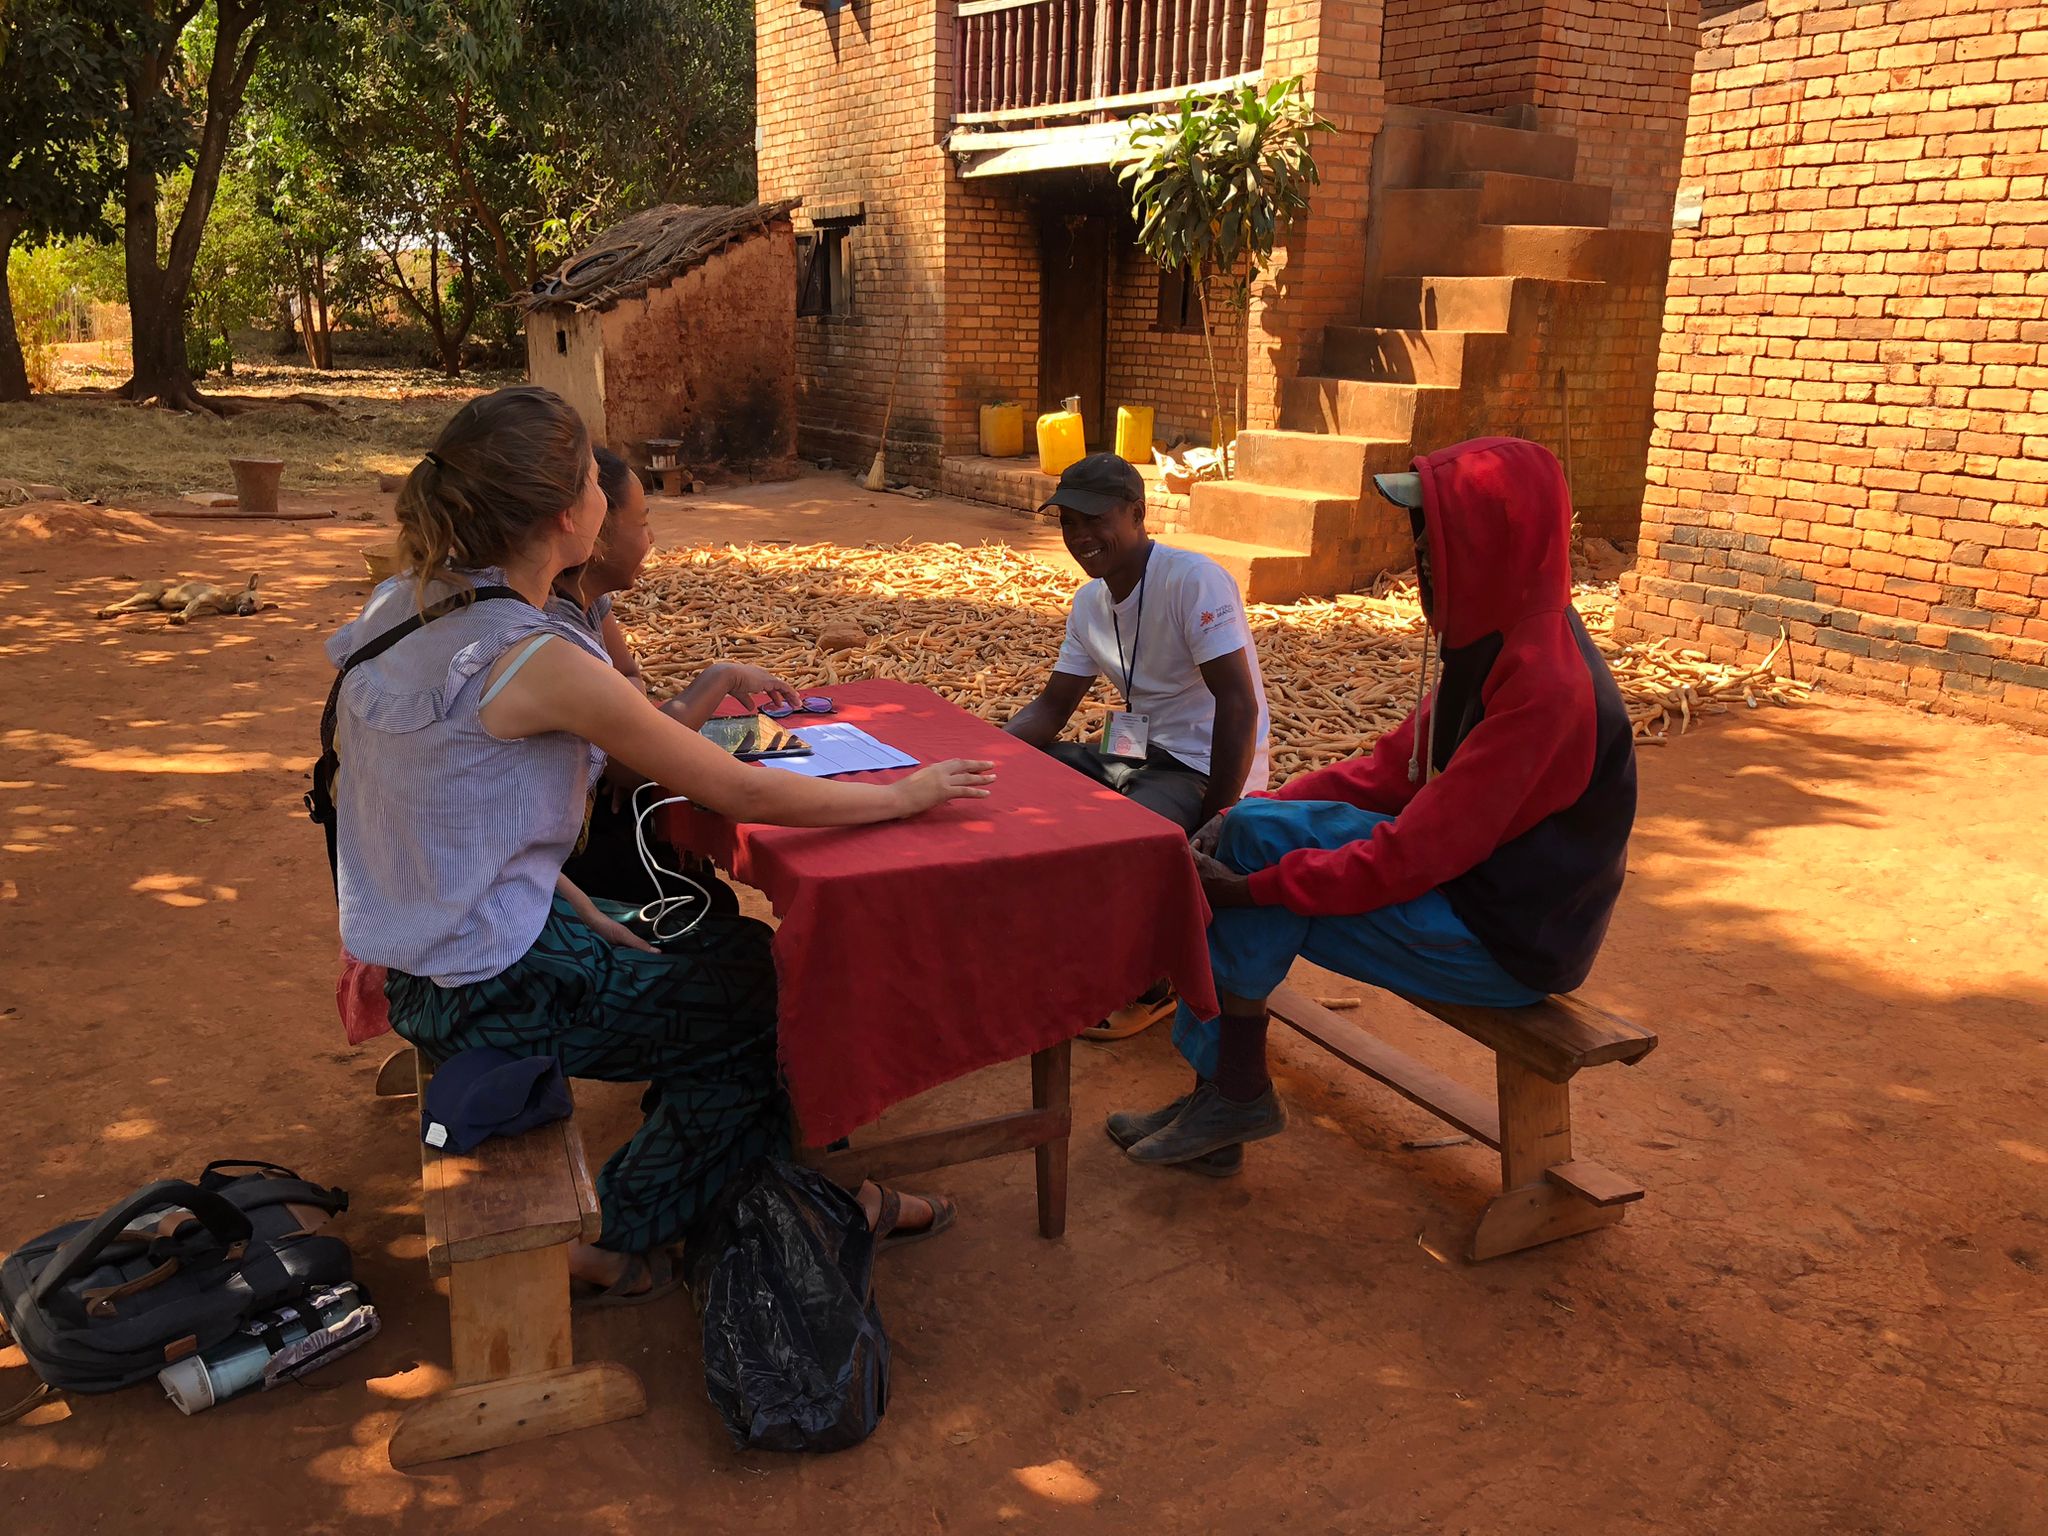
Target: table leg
(1051, 1088)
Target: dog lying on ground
(186, 601)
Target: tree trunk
(13, 368)
(1201, 277)
(325, 333)
(159, 288)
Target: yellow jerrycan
(1060, 441)
(1002, 431)
(1134, 433)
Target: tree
(61, 70)
(190, 66)
(242, 263)
(318, 229)
(477, 141)
(1214, 186)
(552, 115)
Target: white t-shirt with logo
(1192, 615)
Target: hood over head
(1498, 519)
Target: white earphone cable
(664, 907)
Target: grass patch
(384, 420)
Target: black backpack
(320, 798)
(170, 1271)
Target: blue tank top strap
(511, 671)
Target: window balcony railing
(1020, 62)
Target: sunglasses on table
(812, 705)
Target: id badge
(1125, 735)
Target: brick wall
(1613, 73)
(1469, 57)
(850, 109)
(991, 279)
(1852, 414)
(1319, 268)
(1616, 75)
(1163, 369)
(705, 358)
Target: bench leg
(1051, 1084)
(1535, 1136)
(509, 1315)
(513, 1364)
(494, 1413)
(398, 1078)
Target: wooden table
(914, 952)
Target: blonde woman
(470, 748)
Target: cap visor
(1403, 490)
(1087, 503)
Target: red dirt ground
(1831, 1314)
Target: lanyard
(1130, 668)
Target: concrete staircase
(1478, 235)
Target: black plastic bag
(795, 1358)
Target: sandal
(886, 1235)
(659, 1272)
(1135, 1018)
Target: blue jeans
(1418, 946)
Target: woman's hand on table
(728, 679)
(1224, 886)
(956, 779)
(746, 683)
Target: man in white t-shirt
(1167, 627)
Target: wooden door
(1073, 315)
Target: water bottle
(273, 1346)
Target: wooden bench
(500, 1222)
(1547, 1190)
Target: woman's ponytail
(504, 465)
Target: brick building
(677, 325)
(1851, 433)
(1486, 252)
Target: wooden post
(967, 99)
(1102, 40)
(1051, 1085)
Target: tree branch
(458, 158)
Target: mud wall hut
(678, 323)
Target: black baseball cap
(1098, 484)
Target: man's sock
(1241, 1057)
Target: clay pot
(256, 482)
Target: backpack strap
(83, 1249)
(21, 1406)
(319, 800)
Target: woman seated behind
(469, 749)
(606, 863)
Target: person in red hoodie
(1473, 856)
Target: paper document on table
(839, 748)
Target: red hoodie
(1524, 822)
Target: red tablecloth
(914, 952)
